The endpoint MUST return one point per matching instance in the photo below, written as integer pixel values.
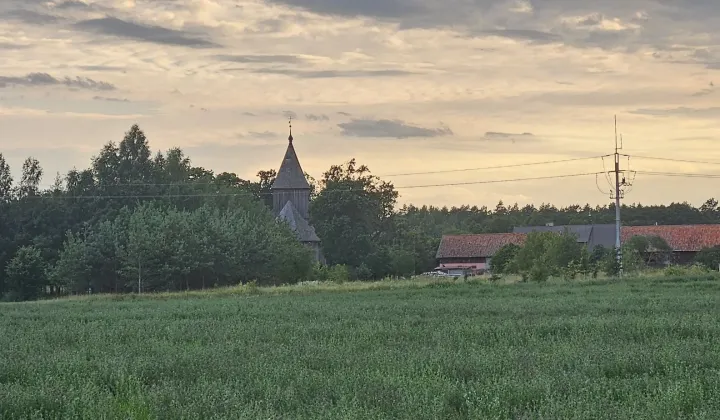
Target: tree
(352, 213)
(262, 189)
(503, 258)
(134, 155)
(709, 258)
(402, 262)
(26, 275)
(642, 251)
(72, 270)
(31, 176)
(6, 181)
(546, 254)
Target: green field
(643, 349)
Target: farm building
(475, 252)
(685, 240)
(291, 200)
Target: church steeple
(290, 183)
(291, 175)
(291, 199)
(290, 138)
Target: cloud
(290, 59)
(704, 92)
(13, 46)
(102, 68)
(290, 114)
(354, 8)
(264, 135)
(109, 99)
(44, 79)
(329, 74)
(249, 114)
(713, 112)
(512, 137)
(524, 35)
(148, 33)
(319, 117)
(389, 128)
(612, 24)
(346, 114)
(73, 5)
(30, 17)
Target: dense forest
(138, 221)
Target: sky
(403, 86)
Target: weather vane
(290, 138)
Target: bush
(709, 257)
(335, 273)
(539, 272)
(545, 254)
(503, 258)
(685, 271)
(363, 272)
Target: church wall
(299, 198)
(316, 252)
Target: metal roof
(303, 229)
(290, 176)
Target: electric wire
(248, 193)
(700, 162)
(516, 165)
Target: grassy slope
(636, 349)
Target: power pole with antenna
(618, 193)
(618, 248)
(617, 189)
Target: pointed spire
(290, 138)
(291, 175)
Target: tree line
(134, 220)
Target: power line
(701, 162)
(501, 180)
(679, 174)
(517, 165)
(247, 193)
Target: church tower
(291, 199)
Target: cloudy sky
(404, 86)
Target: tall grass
(427, 349)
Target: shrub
(501, 262)
(335, 273)
(539, 272)
(709, 257)
(685, 271)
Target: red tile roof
(474, 246)
(681, 238)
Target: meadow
(431, 349)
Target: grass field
(643, 349)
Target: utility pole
(618, 245)
(617, 192)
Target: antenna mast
(618, 249)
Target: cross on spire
(290, 138)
